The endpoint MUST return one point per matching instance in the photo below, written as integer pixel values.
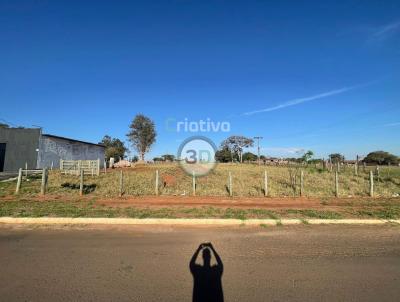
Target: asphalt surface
(151, 263)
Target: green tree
(381, 158)
(224, 155)
(336, 158)
(248, 156)
(237, 143)
(307, 156)
(142, 134)
(114, 147)
(168, 157)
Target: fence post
(156, 188)
(52, 165)
(301, 183)
(79, 167)
(44, 182)
(265, 183)
(121, 184)
(19, 181)
(105, 166)
(371, 183)
(356, 169)
(378, 174)
(26, 170)
(336, 184)
(230, 184)
(194, 183)
(338, 167)
(81, 183)
(98, 166)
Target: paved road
(298, 263)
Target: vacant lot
(247, 181)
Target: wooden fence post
(336, 184)
(356, 169)
(265, 183)
(378, 174)
(301, 183)
(19, 181)
(194, 183)
(81, 182)
(105, 166)
(26, 170)
(371, 183)
(230, 184)
(98, 166)
(338, 167)
(156, 188)
(52, 165)
(121, 184)
(43, 186)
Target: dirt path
(256, 202)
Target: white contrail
(303, 100)
(392, 124)
(384, 31)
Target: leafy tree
(336, 158)
(168, 157)
(114, 147)
(248, 156)
(307, 156)
(225, 155)
(142, 134)
(158, 159)
(294, 159)
(236, 143)
(381, 158)
(3, 125)
(135, 159)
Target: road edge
(184, 221)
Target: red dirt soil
(226, 202)
(222, 202)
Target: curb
(208, 221)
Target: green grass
(85, 208)
(319, 214)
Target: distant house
(25, 145)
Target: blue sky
(320, 75)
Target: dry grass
(247, 181)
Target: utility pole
(258, 147)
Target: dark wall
(21, 147)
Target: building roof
(74, 140)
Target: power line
(258, 147)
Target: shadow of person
(207, 283)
